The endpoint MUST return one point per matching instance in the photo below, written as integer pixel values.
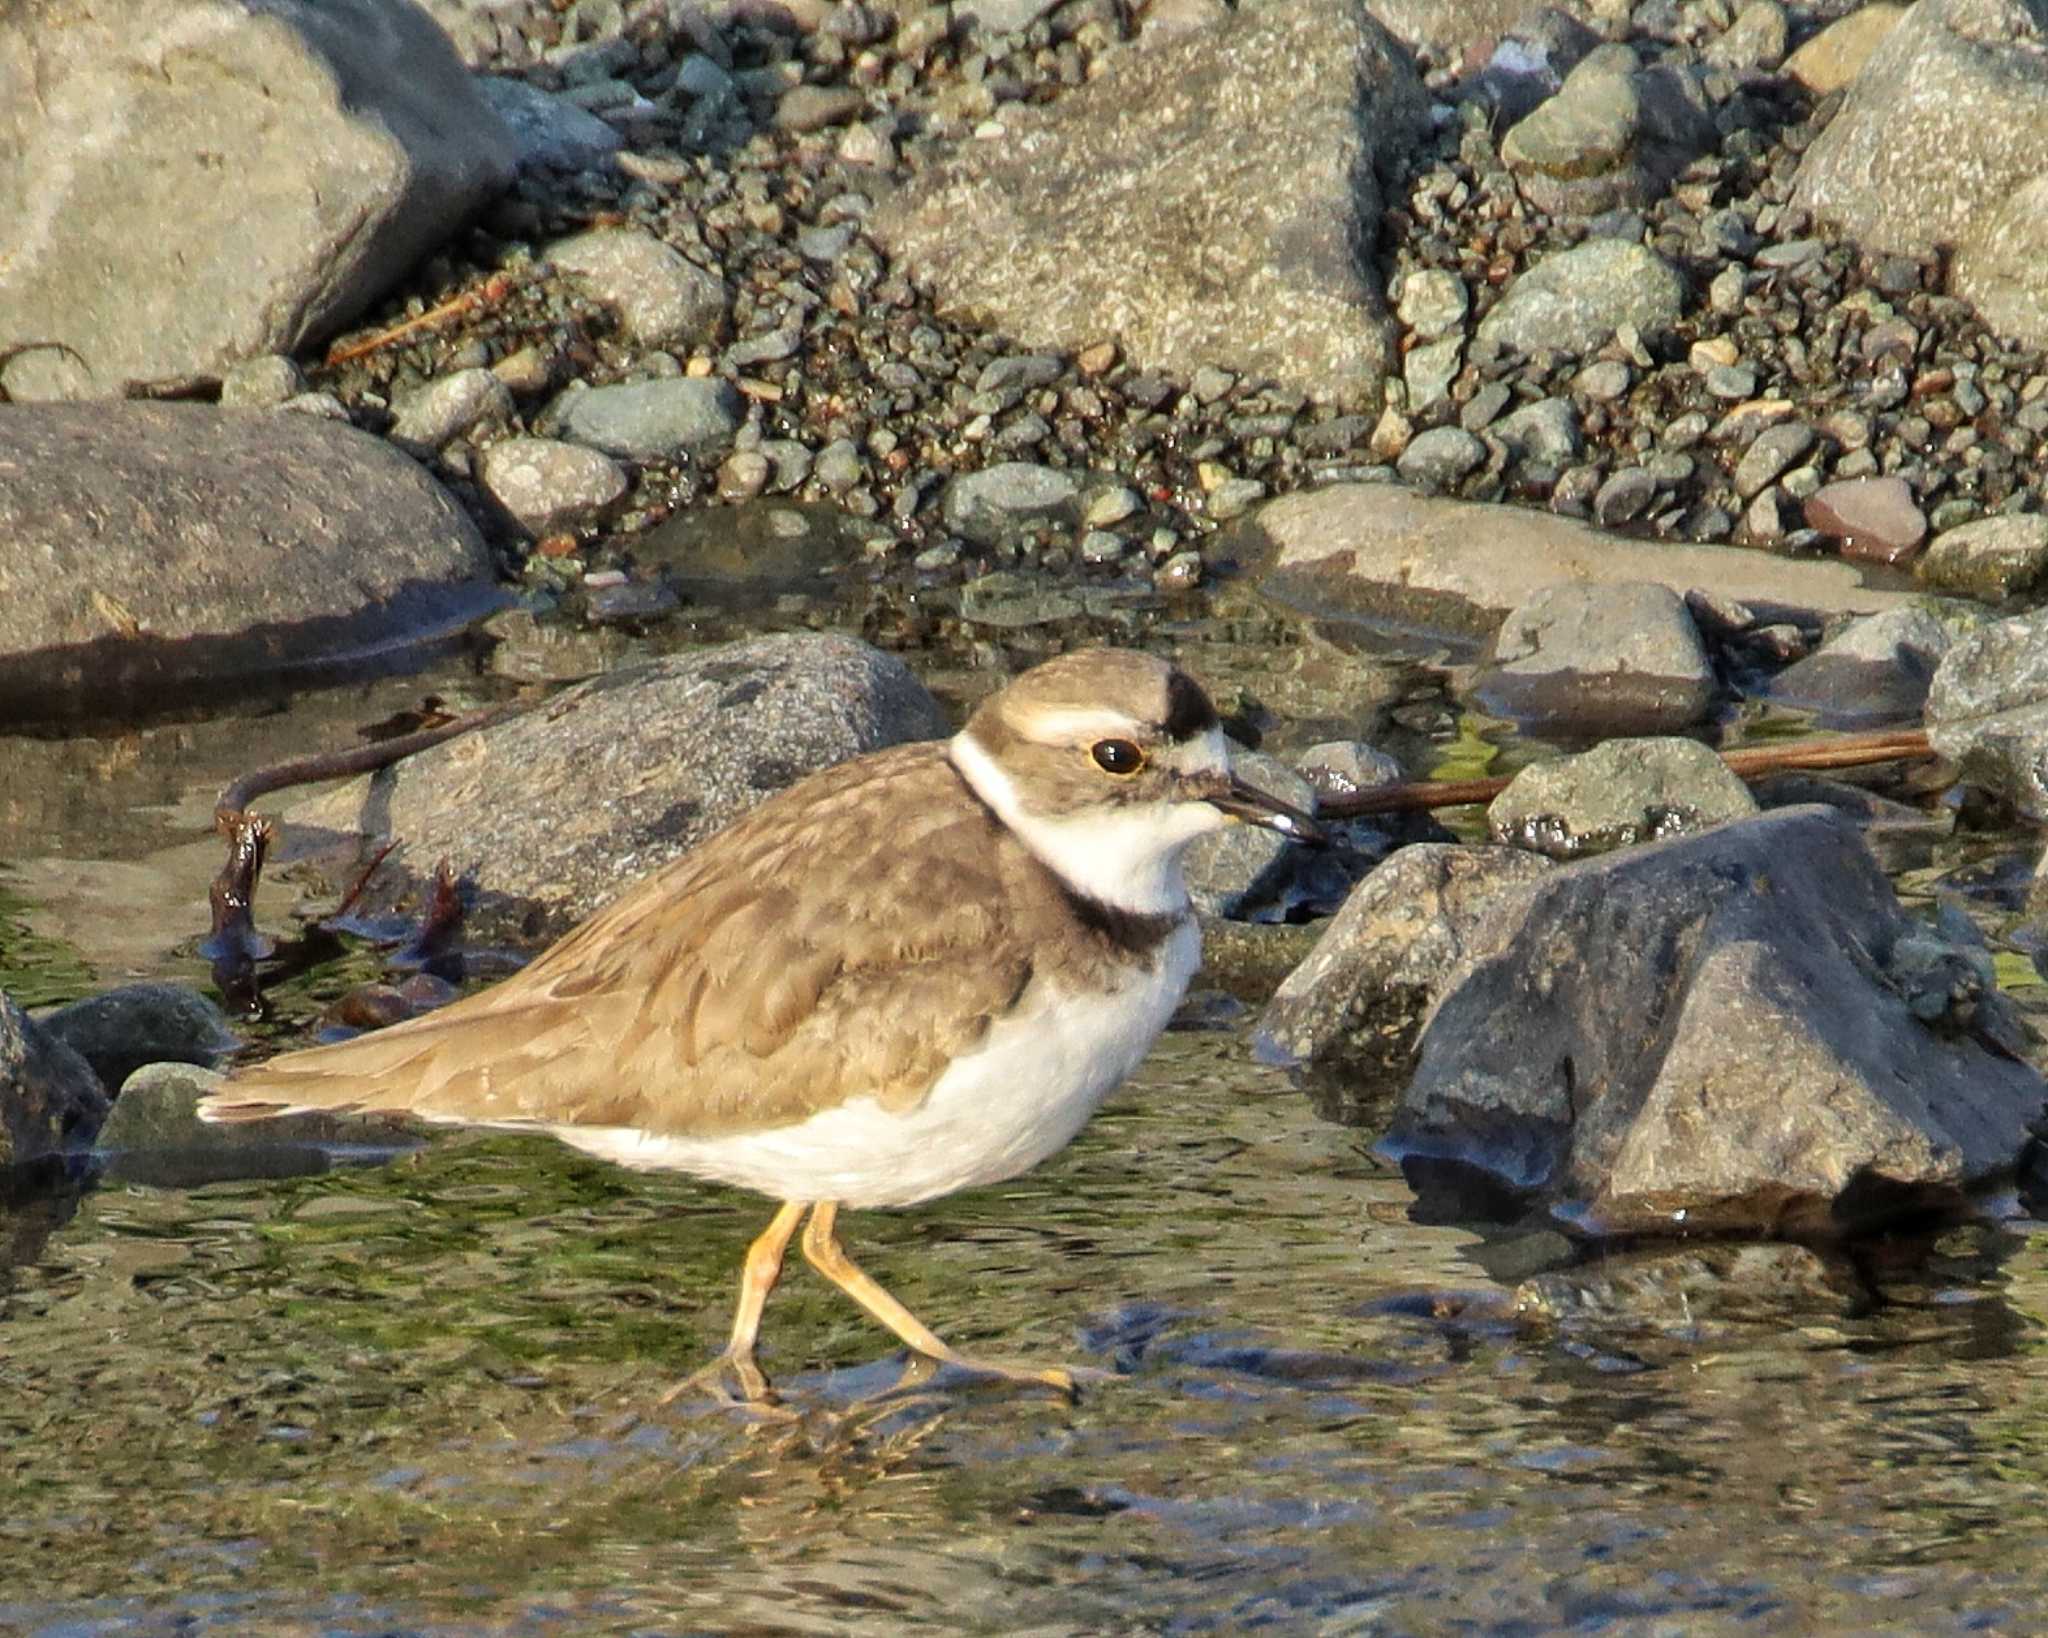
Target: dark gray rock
(1616, 795)
(1987, 709)
(1574, 300)
(154, 552)
(298, 162)
(1615, 134)
(1079, 223)
(120, 1030)
(1598, 660)
(551, 814)
(50, 1100)
(1877, 669)
(1350, 1015)
(547, 130)
(1724, 1031)
(992, 504)
(649, 420)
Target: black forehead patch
(1188, 711)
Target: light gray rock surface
(1874, 671)
(154, 551)
(1988, 710)
(1204, 200)
(1574, 301)
(553, 813)
(1615, 659)
(662, 299)
(1619, 793)
(195, 182)
(649, 420)
(1736, 1030)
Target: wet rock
(1381, 549)
(448, 407)
(649, 420)
(341, 142)
(1836, 55)
(1948, 117)
(1352, 1012)
(1247, 873)
(762, 547)
(550, 814)
(1987, 710)
(1598, 660)
(662, 300)
(1991, 560)
(155, 1137)
(1574, 300)
(545, 484)
(1076, 224)
(50, 1099)
(1618, 794)
(1707, 1034)
(991, 505)
(1011, 601)
(120, 1030)
(1707, 1285)
(1343, 767)
(1875, 519)
(153, 553)
(548, 131)
(1874, 670)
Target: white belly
(1017, 1099)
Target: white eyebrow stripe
(1083, 724)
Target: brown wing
(848, 936)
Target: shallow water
(420, 1397)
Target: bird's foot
(732, 1378)
(1065, 1380)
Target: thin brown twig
(1758, 762)
(488, 294)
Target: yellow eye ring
(1117, 756)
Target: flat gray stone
(1599, 660)
(449, 407)
(662, 299)
(1740, 1030)
(1438, 458)
(1573, 301)
(1991, 560)
(50, 1100)
(992, 504)
(1080, 222)
(545, 484)
(551, 814)
(150, 553)
(290, 163)
(548, 131)
(1874, 671)
(650, 420)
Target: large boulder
(1737, 1030)
(551, 814)
(192, 182)
(1209, 200)
(155, 552)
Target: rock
(548, 132)
(1836, 55)
(761, 547)
(813, 107)
(1713, 1033)
(1598, 661)
(1448, 31)
(552, 813)
(1433, 303)
(650, 420)
(1574, 300)
(1428, 371)
(545, 485)
(1238, 874)
(1770, 454)
(1615, 135)
(1987, 710)
(1755, 41)
(1698, 1289)
(151, 554)
(1991, 560)
(341, 141)
(1618, 794)
(1948, 118)
(1440, 457)
(1546, 431)
(1077, 224)
(263, 382)
(1380, 549)
(447, 408)
(120, 1030)
(1350, 1015)
(1344, 767)
(1876, 670)
(1875, 519)
(993, 504)
(662, 300)
(50, 1100)
(1012, 602)
(155, 1138)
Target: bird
(912, 973)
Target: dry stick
(488, 294)
(1842, 751)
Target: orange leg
(763, 1268)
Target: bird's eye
(1117, 756)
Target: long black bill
(1255, 807)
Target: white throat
(1128, 858)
